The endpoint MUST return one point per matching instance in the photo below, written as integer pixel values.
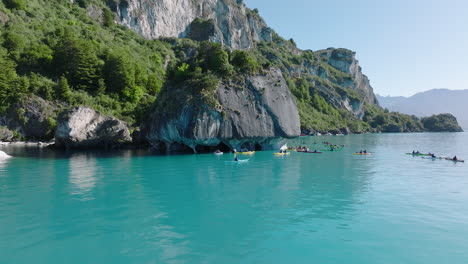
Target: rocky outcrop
(32, 117)
(256, 112)
(229, 21)
(345, 61)
(6, 135)
(441, 123)
(83, 127)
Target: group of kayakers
(362, 152)
(302, 148)
(432, 155)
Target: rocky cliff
(345, 61)
(227, 22)
(257, 111)
(33, 118)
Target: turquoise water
(134, 207)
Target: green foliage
(76, 59)
(441, 123)
(213, 57)
(15, 4)
(59, 53)
(108, 17)
(63, 90)
(201, 29)
(385, 121)
(244, 62)
(8, 81)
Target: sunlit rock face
(83, 127)
(259, 112)
(229, 21)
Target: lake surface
(136, 207)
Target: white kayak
(239, 161)
(219, 153)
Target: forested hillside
(77, 53)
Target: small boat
(219, 153)
(238, 161)
(363, 154)
(457, 160)
(418, 154)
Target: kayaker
(218, 151)
(365, 151)
(455, 158)
(432, 155)
(236, 159)
(360, 152)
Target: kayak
(433, 158)
(455, 160)
(281, 154)
(312, 152)
(239, 161)
(363, 154)
(219, 153)
(419, 154)
(246, 153)
(331, 150)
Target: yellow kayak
(246, 153)
(282, 154)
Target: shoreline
(26, 143)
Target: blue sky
(404, 46)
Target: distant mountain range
(431, 102)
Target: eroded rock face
(83, 127)
(234, 25)
(259, 112)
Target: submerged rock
(256, 112)
(83, 127)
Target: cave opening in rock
(180, 148)
(258, 147)
(204, 149)
(223, 147)
(249, 146)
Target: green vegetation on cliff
(74, 54)
(54, 49)
(441, 123)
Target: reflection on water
(3, 163)
(82, 174)
(133, 207)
